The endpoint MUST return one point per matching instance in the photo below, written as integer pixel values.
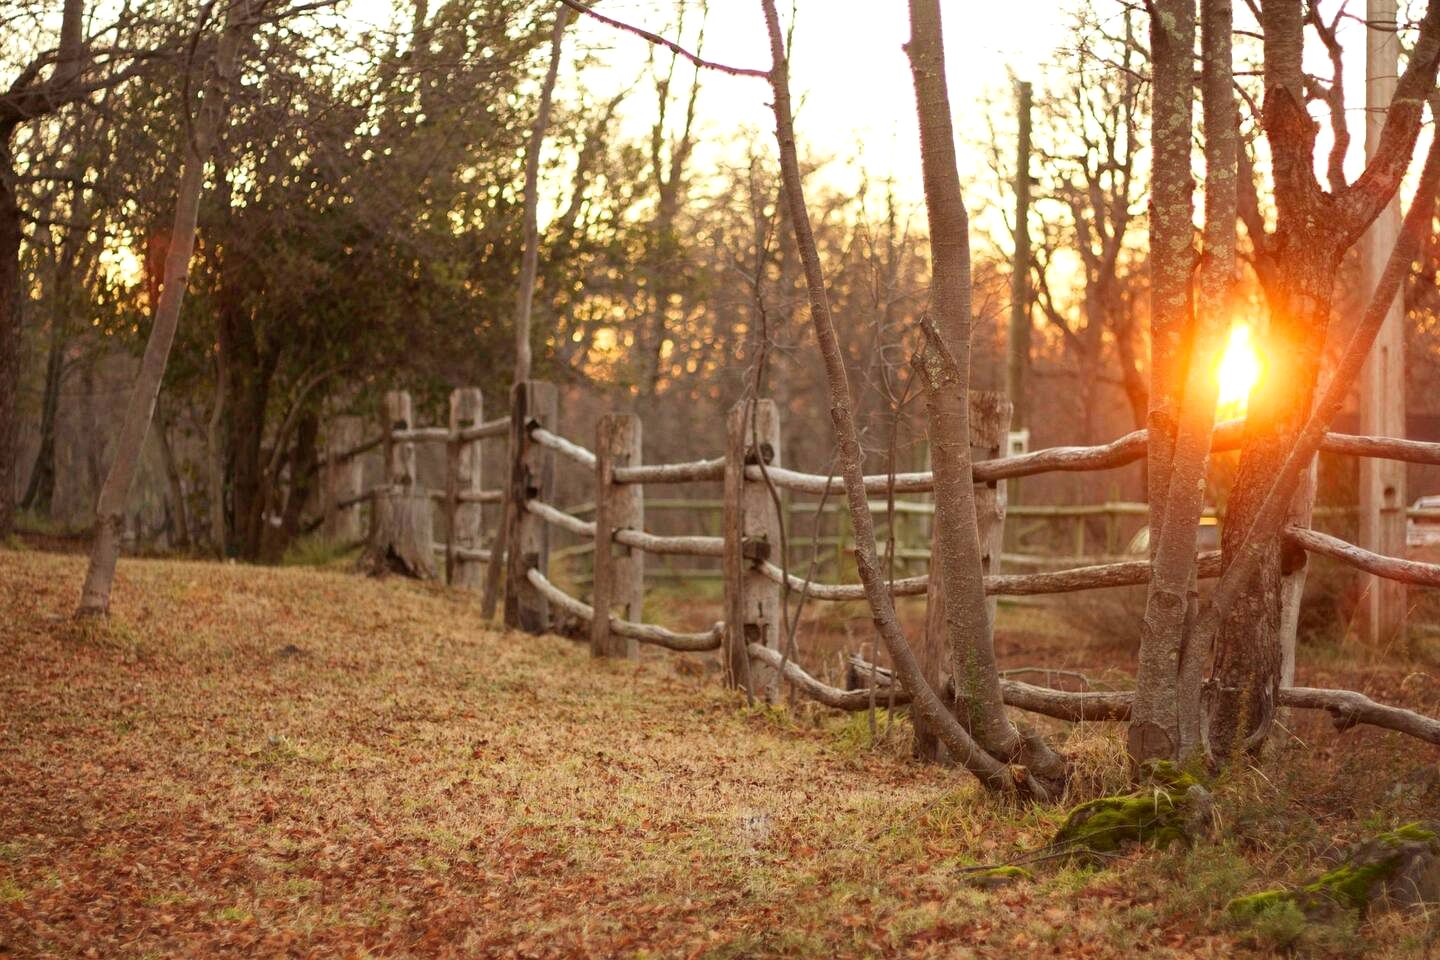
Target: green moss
(1158, 814)
(1350, 886)
(1408, 833)
(1251, 906)
(998, 876)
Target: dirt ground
(291, 762)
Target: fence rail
(756, 577)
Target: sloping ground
(253, 762)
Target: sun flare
(1238, 372)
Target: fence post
(989, 434)
(752, 534)
(402, 535)
(464, 526)
(344, 481)
(619, 571)
(534, 403)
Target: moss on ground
(1161, 813)
(1351, 886)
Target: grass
(253, 761)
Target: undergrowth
(251, 762)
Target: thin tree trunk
(525, 293)
(10, 341)
(1165, 721)
(109, 512)
(215, 446)
(181, 536)
(945, 367)
(926, 703)
(530, 259)
(40, 491)
(1172, 51)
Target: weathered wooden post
(344, 480)
(534, 403)
(619, 571)
(752, 535)
(989, 433)
(464, 526)
(402, 535)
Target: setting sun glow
(1237, 373)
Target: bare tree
(109, 512)
(1300, 262)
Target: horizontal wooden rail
(352, 501)
(352, 452)
(468, 496)
(1062, 704)
(1391, 568)
(421, 435)
(639, 539)
(465, 553)
(672, 546)
(1346, 707)
(696, 471)
(543, 510)
(498, 427)
(1125, 574)
(644, 632)
(1108, 456)
(560, 445)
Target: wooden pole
(989, 434)
(402, 534)
(619, 579)
(1019, 358)
(1382, 385)
(535, 404)
(752, 534)
(344, 481)
(466, 526)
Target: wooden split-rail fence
(752, 477)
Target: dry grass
(288, 762)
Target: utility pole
(1018, 368)
(1382, 385)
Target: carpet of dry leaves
(252, 762)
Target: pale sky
(849, 73)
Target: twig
(667, 44)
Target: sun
(1238, 372)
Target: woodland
(271, 271)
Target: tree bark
(945, 367)
(1166, 719)
(530, 259)
(109, 512)
(927, 704)
(10, 342)
(1313, 231)
(1172, 45)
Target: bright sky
(849, 72)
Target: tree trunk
(180, 534)
(109, 512)
(530, 259)
(945, 367)
(10, 343)
(40, 491)
(1165, 721)
(926, 703)
(1247, 653)
(1172, 46)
